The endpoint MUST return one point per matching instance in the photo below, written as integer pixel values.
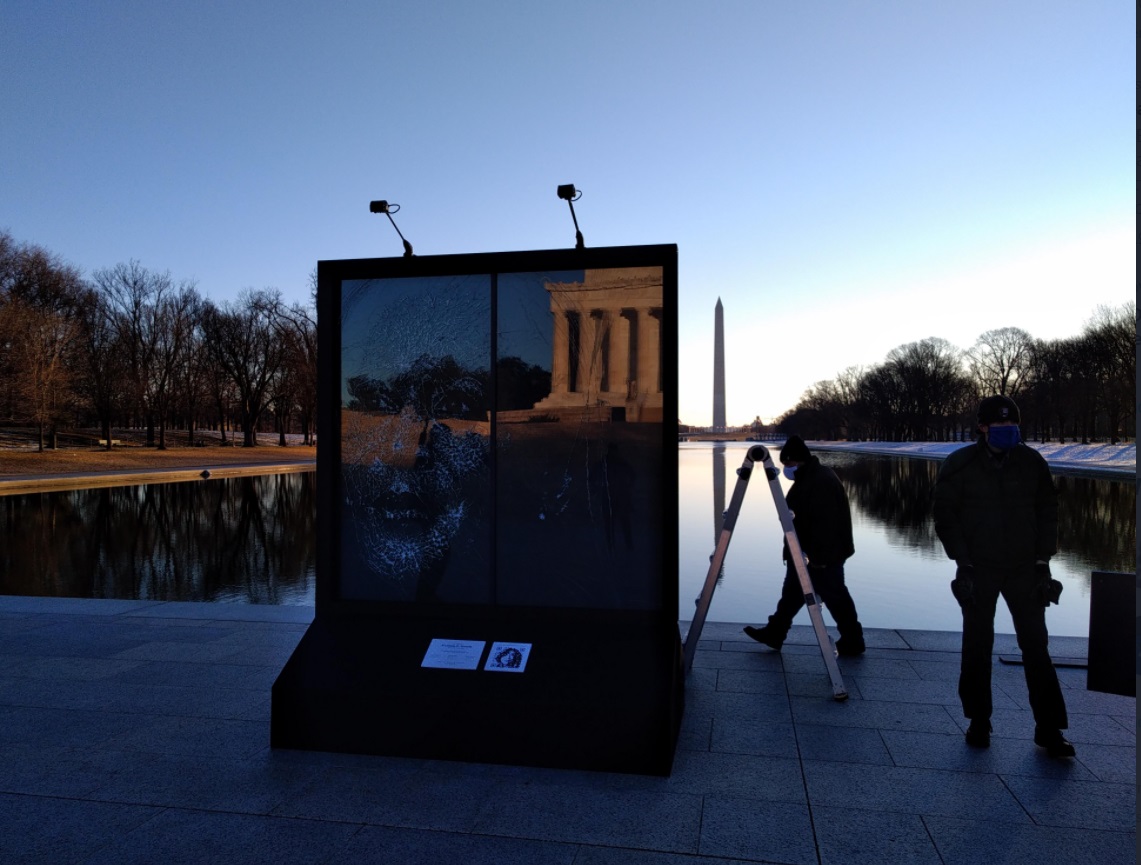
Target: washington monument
(719, 368)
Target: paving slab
(139, 732)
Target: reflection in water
(249, 539)
(253, 539)
(718, 491)
(899, 569)
(1096, 517)
(896, 492)
(718, 501)
(1097, 523)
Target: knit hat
(997, 409)
(794, 450)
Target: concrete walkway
(133, 731)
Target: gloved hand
(1046, 590)
(963, 586)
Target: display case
(497, 512)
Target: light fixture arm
(568, 193)
(389, 209)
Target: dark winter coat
(993, 511)
(821, 516)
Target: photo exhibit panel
(579, 438)
(415, 504)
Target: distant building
(606, 348)
(718, 367)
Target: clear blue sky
(847, 177)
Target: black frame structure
(559, 554)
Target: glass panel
(579, 439)
(415, 431)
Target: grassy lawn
(82, 454)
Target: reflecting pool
(253, 540)
(899, 576)
(247, 539)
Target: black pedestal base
(598, 696)
(1113, 650)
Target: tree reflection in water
(253, 539)
(249, 539)
(1097, 527)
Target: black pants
(1016, 586)
(828, 581)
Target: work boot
(765, 635)
(1053, 741)
(850, 647)
(978, 734)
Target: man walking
(823, 523)
(996, 514)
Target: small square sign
(507, 657)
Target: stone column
(648, 380)
(560, 380)
(600, 356)
(654, 349)
(630, 353)
(575, 377)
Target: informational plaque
(454, 654)
(508, 657)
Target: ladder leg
(716, 561)
(761, 454)
(839, 692)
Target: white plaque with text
(454, 654)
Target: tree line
(1079, 389)
(131, 347)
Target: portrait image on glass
(415, 358)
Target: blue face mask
(790, 472)
(1003, 437)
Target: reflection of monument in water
(718, 491)
(606, 349)
(718, 501)
(718, 367)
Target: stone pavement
(133, 731)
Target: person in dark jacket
(823, 523)
(996, 514)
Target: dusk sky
(847, 177)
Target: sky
(847, 177)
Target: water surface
(899, 576)
(253, 540)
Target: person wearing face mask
(996, 514)
(823, 523)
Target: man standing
(996, 513)
(823, 523)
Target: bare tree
(1056, 385)
(1109, 343)
(297, 326)
(930, 379)
(41, 342)
(101, 374)
(40, 298)
(1001, 361)
(247, 348)
(192, 372)
(147, 308)
(175, 316)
